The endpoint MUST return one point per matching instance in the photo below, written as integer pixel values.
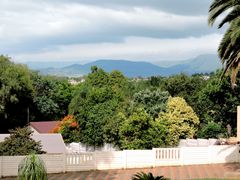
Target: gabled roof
(51, 143)
(44, 126)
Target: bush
(20, 143)
(32, 167)
(210, 130)
(69, 129)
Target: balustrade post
(154, 157)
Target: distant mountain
(128, 68)
(200, 64)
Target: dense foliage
(181, 120)
(16, 93)
(20, 142)
(140, 131)
(109, 108)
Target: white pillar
(238, 123)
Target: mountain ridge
(200, 64)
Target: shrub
(69, 129)
(210, 130)
(32, 167)
(20, 143)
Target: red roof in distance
(44, 126)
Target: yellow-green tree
(180, 118)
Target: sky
(87, 30)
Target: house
(51, 143)
(43, 126)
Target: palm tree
(147, 176)
(229, 48)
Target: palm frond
(235, 13)
(147, 176)
(217, 8)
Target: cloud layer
(86, 30)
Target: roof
(51, 143)
(44, 126)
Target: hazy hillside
(200, 64)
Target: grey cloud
(184, 7)
(102, 29)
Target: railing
(80, 162)
(167, 154)
(81, 158)
(57, 163)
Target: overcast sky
(86, 30)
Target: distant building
(76, 82)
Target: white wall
(54, 164)
(57, 163)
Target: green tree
(229, 48)
(20, 143)
(140, 131)
(181, 120)
(217, 102)
(96, 102)
(51, 99)
(184, 86)
(153, 102)
(16, 93)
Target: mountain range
(201, 64)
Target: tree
(229, 48)
(217, 102)
(184, 86)
(20, 143)
(153, 102)
(51, 98)
(96, 102)
(181, 120)
(16, 93)
(139, 131)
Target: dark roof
(44, 126)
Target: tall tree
(16, 93)
(51, 98)
(95, 103)
(229, 48)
